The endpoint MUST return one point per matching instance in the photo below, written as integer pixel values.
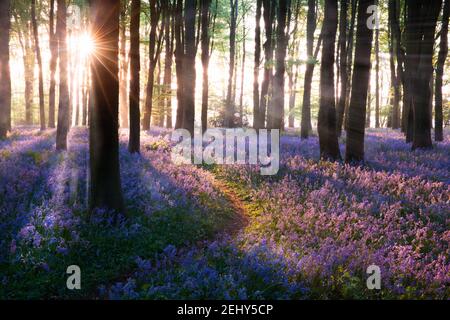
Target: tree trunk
(360, 83)
(329, 147)
(257, 64)
(168, 38)
(153, 60)
(350, 46)
(229, 112)
(377, 76)
(105, 190)
(63, 107)
(443, 53)
(179, 59)
(311, 24)
(394, 49)
(205, 43)
(123, 104)
(342, 65)
(135, 116)
(39, 61)
(53, 63)
(280, 68)
(5, 78)
(269, 11)
(420, 26)
(241, 97)
(189, 72)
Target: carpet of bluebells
(312, 230)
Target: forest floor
(226, 232)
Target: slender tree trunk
(179, 59)
(168, 38)
(205, 43)
(269, 11)
(134, 140)
(229, 112)
(342, 64)
(123, 74)
(105, 187)
(153, 60)
(53, 63)
(189, 72)
(257, 64)
(311, 23)
(329, 147)
(395, 72)
(350, 46)
(5, 78)
(377, 77)
(360, 83)
(280, 68)
(241, 92)
(63, 106)
(443, 53)
(39, 61)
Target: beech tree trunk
(205, 43)
(123, 74)
(360, 83)
(63, 107)
(135, 115)
(342, 65)
(280, 67)
(105, 189)
(5, 78)
(311, 24)
(328, 141)
(53, 63)
(257, 65)
(230, 103)
(443, 53)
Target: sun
(83, 44)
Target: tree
(326, 127)
(257, 64)
(39, 61)
(268, 16)
(135, 116)
(377, 76)
(311, 24)
(394, 53)
(421, 23)
(53, 62)
(189, 71)
(154, 52)
(229, 112)
(123, 73)
(169, 42)
(105, 187)
(443, 53)
(63, 107)
(205, 57)
(343, 48)
(5, 78)
(277, 121)
(354, 151)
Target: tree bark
(377, 76)
(421, 26)
(280, 67)
(39, 61)
(329, 147)
(168, 38)
(63, 107)
(53, 63)
(123, 74)
(443, 53)
(311, 24)
(105, 186)
(5, 78)
(230, 103)
(205, 43)
(342, 65)
(135, 116)
(361, 75)
(256, 67)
